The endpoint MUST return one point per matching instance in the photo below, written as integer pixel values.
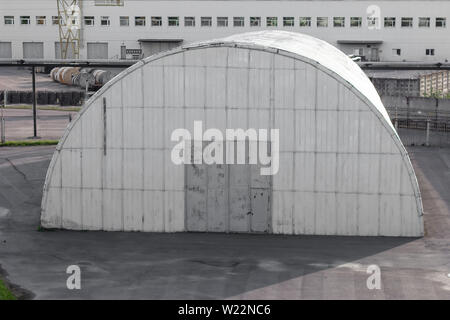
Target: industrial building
(129, 29)
(342, 167)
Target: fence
(420, 121)
(62, 98)
(22, 123)
(419, 108)
(423, 132)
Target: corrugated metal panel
(342, 168)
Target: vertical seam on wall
(185, 166)
(206, 167)
(164, 147)
(122, 157)
(380, 155)
(294, 144)
(61, 196)
(81, 175)
(272, 121)
(316, 80)
(143, 150)
(358, 160)
(228, 167)
(102, 162)
(402, 232)
(249, 170)
(336, 184)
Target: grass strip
(27, 143)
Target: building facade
(126, 29)
(435, 84)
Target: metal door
(33, 50)
(374, 54)
(227, 198)
(5, 50)
(97, 50)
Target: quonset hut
(342, 167)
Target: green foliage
(5, 293)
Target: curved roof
(311, 48)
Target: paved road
(196, 265)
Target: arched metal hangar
(342, 167)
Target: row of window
(398, 52)
(337, 22)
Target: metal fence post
(427, 140)
(2, 118)
(34, 101)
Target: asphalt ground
(121, 265)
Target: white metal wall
(342, 171)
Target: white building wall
(343, 169)
(412, 41)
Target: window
(55, 20)
(139, 21)
(397, 52)
(429, 52)
(255, 21)
(189, 21)
(104, 21)
(173, 21)
(322, 22)
(407, 22)
(238, 22)
(424, 22)
(389, 22)
(441, 22)
(157, 21)
(124, 21)
(305, 21)
(356, 22)
(88, 21)
(9, 20)
(206, 21)
(25, 19)
(288, 21)
(222, 21)
(40, 20)
(271, 21)
(339, 22)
